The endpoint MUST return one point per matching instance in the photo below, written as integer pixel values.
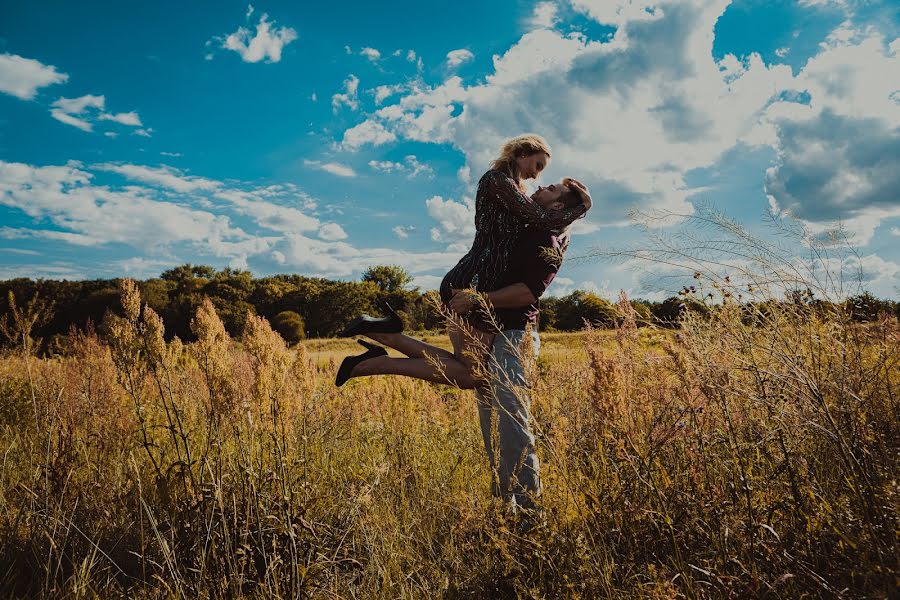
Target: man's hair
(570, 198)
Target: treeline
(300, 307)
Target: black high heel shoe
(365, 324)
(348, 364)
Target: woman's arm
(500, 188)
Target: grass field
(721, 460)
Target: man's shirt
(534, 261)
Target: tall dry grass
(740, 460)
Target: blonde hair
(522, 145)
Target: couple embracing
(492, 295)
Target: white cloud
(458, 57)
(164, 176)
(839, 157)
(267, 44)
(130, 118)
(91, 107)
(275, 217)
(410, 165)
(165, 220)
(367, 132)
(383, 92)
(64, 109)
(563, 286)
(402, 232)
(23, 77)
(350, 97)
(632, 115)
(386, 166)
(68, 119)
(895, 230)
(340, 259)
(415, 167)
(77, 106)
(782, 52)
(331, 232)
(371, 53)
(331, 167)
(544, 15)
(90, 215)
(427, 282)
(456, 220)
(172, 154)
(411, 56)
(110, 134)
(621, 12)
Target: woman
(502, 213)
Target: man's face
(548, 197)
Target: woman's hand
(580, 189)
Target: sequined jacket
(502, 215)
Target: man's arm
(511, 296)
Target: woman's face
(548, 197)
(531, 166)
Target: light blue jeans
(506, 410)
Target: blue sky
(322, 138)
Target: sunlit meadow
(727, 459)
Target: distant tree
(866, 308)
(669, 311)
(580, 307)
(388, 278)
(233, 314)
(549, 315)
(289, 326)
(187, 272)
(644, 313)
(336, 304)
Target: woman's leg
(431, 363)
(411, 347)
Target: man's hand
(462, 302)
(580, 189)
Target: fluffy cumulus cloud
(23, 77)
(265, 44)
(371, 53)
(839, 156)
(166, 212)
(349, 97)
(544, 15)
(458, 57)
(367, 132)
(632, 115)
(80, 212)
(455, 220)
(331, 232)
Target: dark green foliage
(326, 306)
(580, 307)
(289, 326)
(388, 278)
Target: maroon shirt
(529, 264)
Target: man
(536, 260)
